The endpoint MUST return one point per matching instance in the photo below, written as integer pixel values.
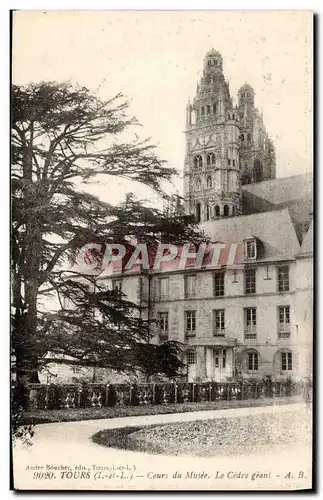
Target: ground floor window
(286, 361)
(191, 358)
(220, 358)
(252, 361)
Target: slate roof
(274, 229)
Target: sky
(156, 58)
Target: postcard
(162, 250)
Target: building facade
(252, 320)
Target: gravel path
(70, 445)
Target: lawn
(73, 415)
(252, 434)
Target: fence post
(193, 393)
(107, 388)
(280, 389)
(78, 396)
(153, 394)
(175, 393)
(210, 392)
(130, 395)
(241, 389)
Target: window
(219, 322)
(286, 361)
(198, 161)
(198, 212)
(210, 159)
(163, 324)
(219, 284)
(189, 286)
(252, 361)
(229, 162)
(198, 184)
(233, 163)
(283, 322)
(202, 111)
(250, 322)
(217, 211)
(208, 110)
(250, 281)
(226, 210)
(220, 358)
(250, 249)
(190, 322)
(209, 182)
(163, 288)
(283, 279)
(117, 286)
(225, 186)
(215, 108)
(191, 358)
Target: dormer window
(250, 248)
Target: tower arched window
(198, 184)
(209, 182)
(198, 161)
(198, 212)
(208, 109)
(226, 210)
(202, 111)
(210, 159)
(215, 108)
(207, 213)
(217, 211)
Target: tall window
(250, 249)
(202, 112)
(215, 108)
(189, 286)
(209, 182)
(198, 161)
(250, 322)
(198, 184)
(198, 212)
(225, 185)
(191, 357)
(219, 284)
(190, 323)
(208, 109)
(286, 361)
(283, 279)
(283, 322)
(210, 159)
(220, 358)
(252, 361)
(163, 324)
(219, 322)
(163, 288)
(250, 281)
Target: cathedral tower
(226, 146)
(257, 153)
(211, 172)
